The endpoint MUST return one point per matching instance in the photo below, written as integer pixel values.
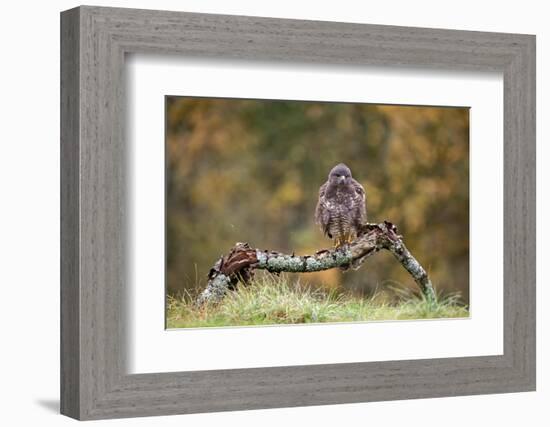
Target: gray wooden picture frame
(94, 41)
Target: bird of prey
(341, 209)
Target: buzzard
(341, 208)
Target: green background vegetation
(250, 170)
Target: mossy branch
(242, 260)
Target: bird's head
(339, 174)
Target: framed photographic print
(262, 213)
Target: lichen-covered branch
(242, 260)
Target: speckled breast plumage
(340, 222)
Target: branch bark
(242, 260)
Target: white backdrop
(29, 218)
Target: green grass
(271, 300)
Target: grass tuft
(275, 300)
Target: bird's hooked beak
(342, 179)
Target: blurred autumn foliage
(250, 170)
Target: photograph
(297, 191)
